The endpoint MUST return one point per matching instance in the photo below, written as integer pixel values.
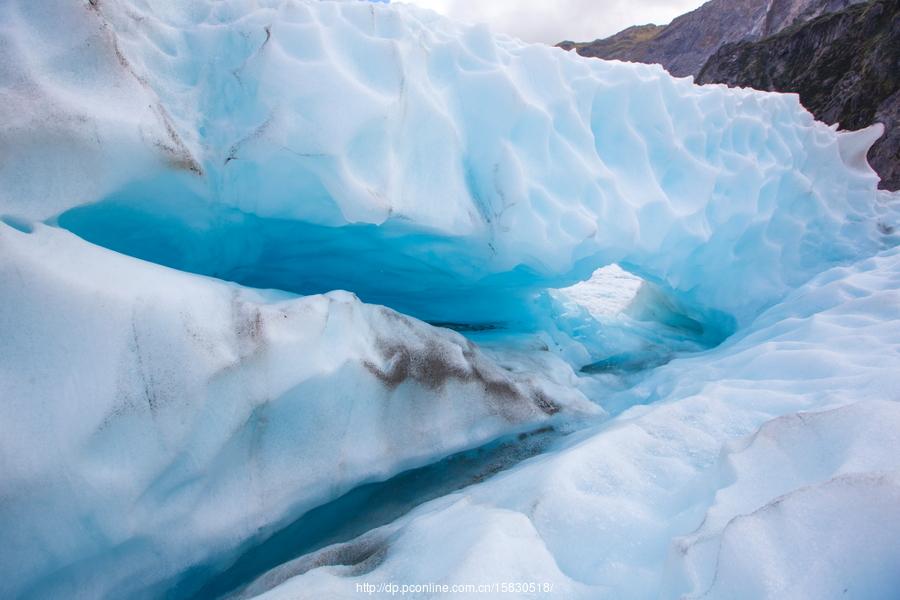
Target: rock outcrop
(684, 46)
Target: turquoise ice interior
(448, 281)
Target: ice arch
(424, 164)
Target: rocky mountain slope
(844, 65)
(629, 44)
(684, 46)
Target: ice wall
(157, 422)
(427, 165)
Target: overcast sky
(551, 21)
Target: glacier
(236, 236)
(426, 154)
(767, 468)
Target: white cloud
(551, 21)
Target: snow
(607, 293)
(837, 467)
(187, 189)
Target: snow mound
(423, 164)
(824, 523)
(148, 425)
(608, 292)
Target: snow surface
(737, 410)
(607, 293)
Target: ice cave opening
(428, 275)
(631, 325)
(627, 324)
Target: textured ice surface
(423, 164)
(149, 424)
(767, 467)
(154, 421)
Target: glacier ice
(156, 423)
(175, 415)
(311, 146)
(765, 468)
